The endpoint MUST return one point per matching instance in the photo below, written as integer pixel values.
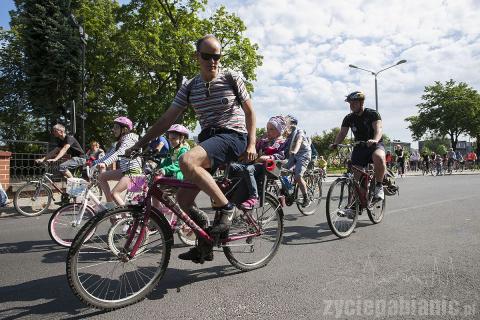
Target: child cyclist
(299, 155)
(169, 166)
(177, 137)
(271, 147)
(122, 128)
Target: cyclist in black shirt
(366, 125)
(66, 144)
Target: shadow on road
(302, 235)
(54, 289)
(28, 246)
(177, 278)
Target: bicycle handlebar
(351, 145)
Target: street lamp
(376, 74)
(83, 38)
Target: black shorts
(362, 156)
(222, 145)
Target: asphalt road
(422, 261)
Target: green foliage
(137, 57)
(426, 150)
(323, 141)
(16, 121)
(434, 143)
(448, 109)
(441, 149)
(51, 52)
(260, 132)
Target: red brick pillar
(5, 169)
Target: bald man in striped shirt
(227, 119)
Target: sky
(308, 45)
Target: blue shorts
(223, 146)
(362, 156)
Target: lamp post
(376, 74)
(83, 38)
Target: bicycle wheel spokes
(258, 240)
(32, 199)
(314, 192)
(342, 208)
(99, 267)
(67, 221)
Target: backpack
(231, 81)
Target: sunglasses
(208, 56)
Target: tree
(434, 143)
(51, 52)
(16, 120)
(157, 40)
(323, 141)
(447, 110)
(137, 57)
(260, 132)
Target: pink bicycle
(112, 267)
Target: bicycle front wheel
(255, 236)
(314, 192)
(376, 211)
(110, 279)
(342, 207)
(66, 221)
(32, 199)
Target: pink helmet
(179, 129)
(124, 122)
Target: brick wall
(5, 169)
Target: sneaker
(378, 192)
(306, 201)
(249, 204)
(349, 213)
(199, 254)
(195, 255)
(224, 221)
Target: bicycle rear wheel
(32, 199)
(253, 250)
(342, 207)
(314, 192)
(65, 223)
(107, 279)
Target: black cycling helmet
(355, 96)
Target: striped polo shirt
(214, 102)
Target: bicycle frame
(160, 191)
(367, 178)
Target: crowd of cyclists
(227, 119)
(430, 162)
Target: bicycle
(109, 279)
(35, 196)
(288, 191)
(67, 220)
(353, 192)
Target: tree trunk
(453, 141)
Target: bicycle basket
(76, 186)
(136, 183)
